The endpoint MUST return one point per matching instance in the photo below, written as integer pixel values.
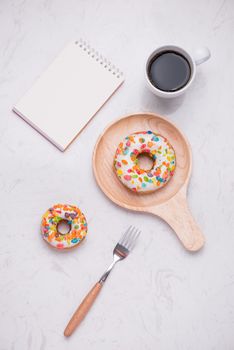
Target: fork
(120, 252)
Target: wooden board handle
(177, 214)
(83, 309)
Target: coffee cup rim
(180, 50)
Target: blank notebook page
(69, 93)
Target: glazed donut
(126, 161)
(70, 215)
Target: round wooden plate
(169, 202)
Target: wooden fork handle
(83, 309)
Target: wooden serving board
(169, 202)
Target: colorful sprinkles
(75, 219)
(126, 161)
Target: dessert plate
(169, 202)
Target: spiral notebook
(69, 93)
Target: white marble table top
(161, 297)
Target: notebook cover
(69, 93)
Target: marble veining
(161, 297)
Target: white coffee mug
(200, 55)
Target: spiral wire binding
(99, 58)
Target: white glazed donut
(73, 217)
(126, 161)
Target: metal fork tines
(122, 249)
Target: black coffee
(169, 71)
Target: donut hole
(145, 161)
(63, 227)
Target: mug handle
(201, 55)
